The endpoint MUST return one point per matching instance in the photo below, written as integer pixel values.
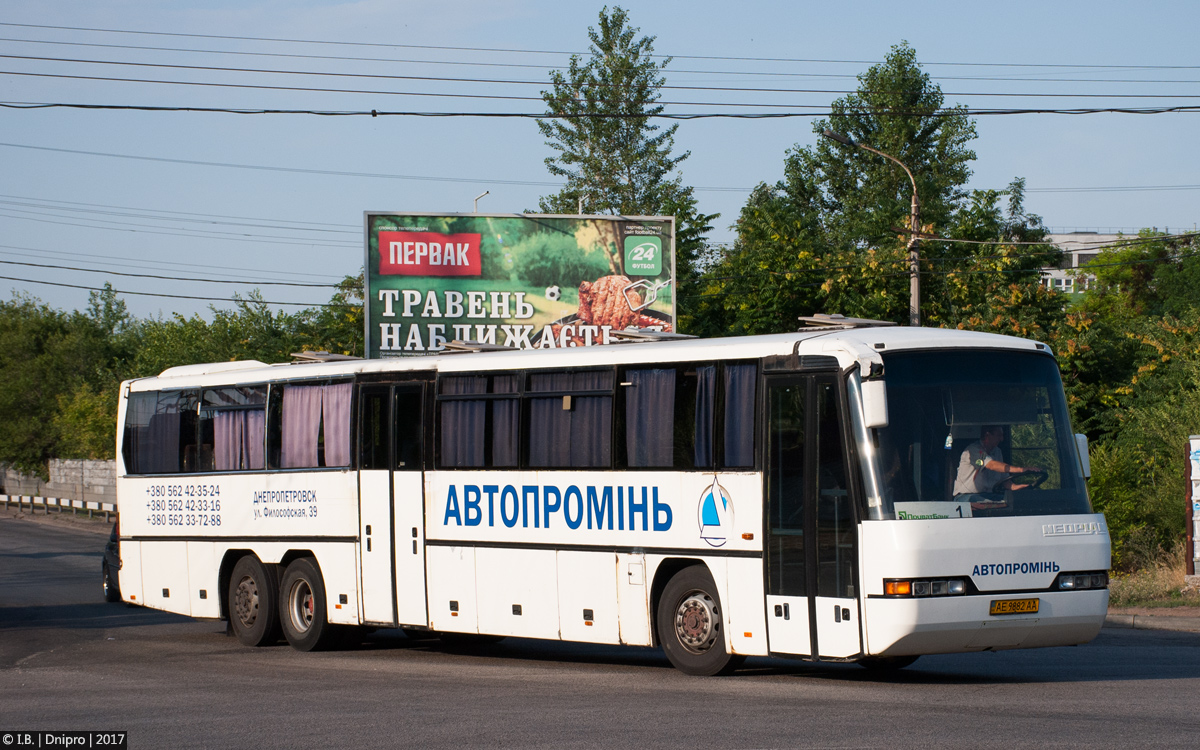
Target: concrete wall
(72, 479)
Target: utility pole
(914, 257)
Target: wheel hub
(246, 601)
(695, 622)
(302, 607)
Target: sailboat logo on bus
(715, 514)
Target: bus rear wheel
(253, 602)
(691, 624)
(302, 595)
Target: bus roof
(848, 345)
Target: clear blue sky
(64, 208)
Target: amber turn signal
(897, 588)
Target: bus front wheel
(302, 596)
(253, 602)
(691, 624)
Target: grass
(1159, 582)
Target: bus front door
(811, 545)
(391, 487)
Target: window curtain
(505, 418)
(238, 439)
(301, 421)
(463, 422)
(739, 415)
(335, 409)
(706, 389)
(649, 418)
(591, 422)
(549, 425)
(577, 438)
(229, 429)
(303, 409)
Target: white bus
(796, 494)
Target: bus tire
(885, 663)
(254, 602)
(691, 624)
(112, 592)
(303, 607)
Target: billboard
(520, 280)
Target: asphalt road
(70, 661)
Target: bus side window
(160, 433)
(649, 430)
(570, 419)
(478, 432)
(740, 386)
(313, 425)
(232, 424)
(702, 421)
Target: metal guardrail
(62, 503)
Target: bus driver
(983, 474)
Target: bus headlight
(923, 587)
(1074, 581)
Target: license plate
(1013, 606)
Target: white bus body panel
(592, 508)
(746, 623)
(267, 505)
(838, 633)
(517, 592)
(452, 605)
(991, 552)
(204, 586)
(130, 575)
(587, 585)
(633, 600)
(409, 545)
(375, 549)
(165, 576)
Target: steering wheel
(1038, 478)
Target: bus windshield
(976, 433)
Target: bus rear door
(391, 487)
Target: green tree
(1151, 274)
(613, 157)
(831, 236)
(48, 356)
(338, 326)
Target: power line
(564, 52)
(297, 170)
(466, 63)
(143, 262)
(446, 79)
(1113, 189)
(260, 221)
(150, 229)
(171, 296)
(168, 278)
(118, 211)
(825, 111)
(479, 180)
